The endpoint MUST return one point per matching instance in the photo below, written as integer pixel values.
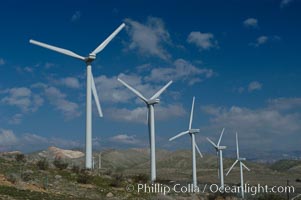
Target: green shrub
(20, 158)
(43, 164)
(117, 180)
(141, 178)
(12, 177)
(75, 169)
(83, 178)
(60, 164)
(27, 175)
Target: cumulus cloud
(23, 98)
(70, 82)
(285, 104)
(16, 118)
(28, 141)
(285, 3)
(204, 41)
(58, 99)
(2, 62)
(149, 38)
(125, 139)
(7, 138)
(76, 16)
(251, 23)
(260, 41)
(182, 70)
(264, 39)
(254, 85)
(263, 127)
(139, 114)
(113, 91)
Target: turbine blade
(147, 115)
(212, 142)
(179, 135)
(231, 167)
(237, 148)
(191, 113)
(245, 166)
(197, 148)
(57, 49)
(133, 90)
(106, 42)
(94, 91)
(220, 138)
(160, 91)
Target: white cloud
(7, 138)
(149, 38)
(22, 98)
(49, 65)
(58, 99)
(241, 89)
(139, 114)
(285, 3)
(260, 41)
(285, 104)
(251, 23)
(2, 62)
(111, 90)
(76, 16)
(28, 141)
(204, 41)
(262, 127)
(125, 139)
(254, 85)
(16, 119)
(28, 69)
(70, 82)
(264, 39)
(182, 70)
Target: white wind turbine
(219, 151)
(241, 165)
(194, 146)
(151, 121)
(90, 86)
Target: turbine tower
(241, 165)
(194, 146)
(151, 121)
(91, 89)
(219, 151)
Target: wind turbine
(151, 121)
(241, 165)
(194, 146)
(219, 151)
(90, 85)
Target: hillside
(119, 168)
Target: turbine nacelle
(241, 159)
(90, 58)
(153, 101)
(221, 147)
(193, 131)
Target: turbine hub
(193, 131)
(153, 101)
(91, 57)
(241, 159)
(221, 147)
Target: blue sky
(241, 59)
